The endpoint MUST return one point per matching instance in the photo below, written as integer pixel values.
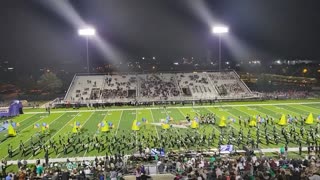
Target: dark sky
(34, 34)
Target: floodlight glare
(88, 31)
(220, 29)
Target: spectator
(9, 176)
(39, 170)
(138, 173)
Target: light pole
(87, 32)
(220, 30)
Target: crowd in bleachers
(84, 88)
(245, 167)
(226, 89)
(186, 166)
(154, 86)
(222, 75)
(196, 78)
(95, 94)
(292, 94)
(118, 87)
(197, 84)
(114, 93)
(80, 170)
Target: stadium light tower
(220, 30)
(87, 32)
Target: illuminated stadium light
(220, 29)
(305, 70)
(88, 31)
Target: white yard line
(270, 116)
(274, 118)
(84, 155)
(68, 123)
(278, 118)
(165, 109)
(58, 132)
(154, 122)
(137, 114)
(32, 124)
(23, 130)
(103, 119)
(84, 124)
(26, 118)
(231, 124)
(259, 113)
(119, 122)
(296, 109)
(136, 131)
(65, 126)
(136, 140)
(183, 113)
(284, 110)
(31, 136)
(308, 107)
(215, 120)
(292, 112)
(88, 119)
(25, 127)
(182, 107)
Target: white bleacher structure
(156, 87)
(196, 85)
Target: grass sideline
(29, 109)
(61, 120)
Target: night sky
(33, 33)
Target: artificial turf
(61, 120)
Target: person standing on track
(46, 156)
(10, 153)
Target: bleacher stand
(159, 87)
(196, 85)
(229, 85)
(119, 88)
(84, 88)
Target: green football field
(61, 120)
